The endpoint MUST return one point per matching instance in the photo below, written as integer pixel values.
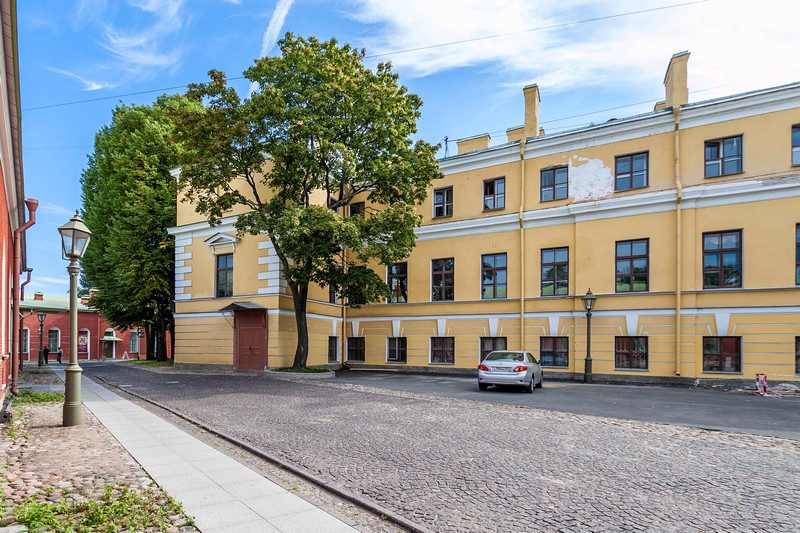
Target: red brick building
(96, 338)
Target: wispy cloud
(88, 85)
(273, 31)
(44, 280)
(560, 55)
(55, 209)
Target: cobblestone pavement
(456, 465)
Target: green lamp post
(589, 301)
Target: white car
(509, 367)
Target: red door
(250, 347)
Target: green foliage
(120, 508)
(29, 396)
(146, 362)
(128, 203)
(321, 131)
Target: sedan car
(509, 367)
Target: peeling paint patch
(589, 179)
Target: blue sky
(79, 59)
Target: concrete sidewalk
(221, 494)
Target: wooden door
(250, 346)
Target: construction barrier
(761, 385)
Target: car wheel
(483, 386)
(541, 382)
(529, 386)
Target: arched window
(53, 339)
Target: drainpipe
(676, 111)
(522, 143)
(22, 287)
(19, 329)
(31, 204)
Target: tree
(128, 203)
(320, 130)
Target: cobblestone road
(456, 465)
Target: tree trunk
(150, 332)
(300, 299)
(162, 339)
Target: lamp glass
(41, 316)
(75, 237)
(589, 300)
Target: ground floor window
(443, 350)
(396, 350)
(53, 340)
(490, 344)
(333, 349)
(722, 354)
(25, 341)
(554, 351)
(797, 355)
(630, 353)
(356, 350)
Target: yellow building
(685, 222)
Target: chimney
(38, 296)
(676, 81)
(473, 144)
(531, 127)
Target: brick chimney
(676, 84)
(472, 144)
(38, 296)
(531, 127)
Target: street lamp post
(41, 316)
(589, 300)
(140, 334)
(75, 238)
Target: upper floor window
(554, 184)
(396, 351)
(555, 271)
(722, 354)
(223, 276)
(795, 145)
(333, 294)
(493, 276)
(631, 172)
(630, 353)
(490, 344)
(722, 259)
(632, 265)
(494, 194)
(443, 202)
(554, 351)
(397, 279)
(443, 273)
(797, 255)
(724, 156)
(357, 209)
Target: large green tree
(128, 203)
(320, 130)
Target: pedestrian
(46, 355)
(59, 354)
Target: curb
(336, 489)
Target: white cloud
(44, 280)
(735, 46)
(273, 30)
(88, 85)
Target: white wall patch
(590, 180)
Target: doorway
(250, 340)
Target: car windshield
(504, 356)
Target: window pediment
(220, 240)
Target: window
(358, 297)
(134, 344)
(443, 350)
(224, 275)
(357, 209)
(54, 339)
(443, 202)
(397, 279)
(724, 156)
(494, 194)
(554, 184)
(630, 353)
(797, 355)
(490, 344)
(797, 255)
(631, 172)
(355, 349)
(795, 145)
(333, 349)
(333, 294)
(722, 260)
(442, 279)
(555, 271)
(24, 344)
(722, 354)
(632, 265)
(554, 351)
(493, 276)
(396, 351)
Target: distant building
(685, 221)
(96, 338)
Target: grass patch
(149, 362)
(119, 508)
(29, 396)
(303, 370)
(38, 372)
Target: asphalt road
(452, 459)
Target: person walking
(59, 354)
(46, 355)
